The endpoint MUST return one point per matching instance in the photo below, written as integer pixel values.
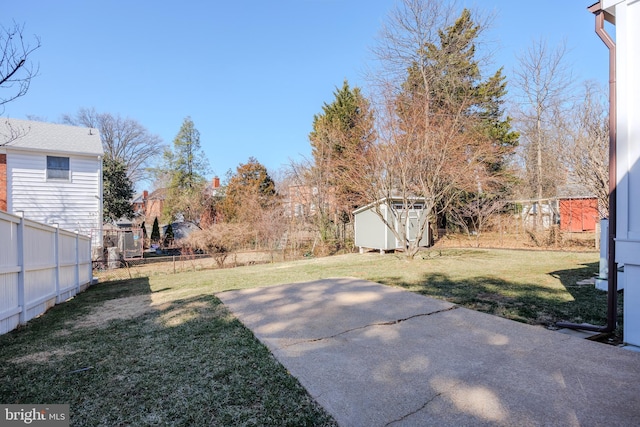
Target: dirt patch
(132, 307)
(43, 357)
(117, 309)
(178, 316)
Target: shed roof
(574, 191)
(51, 137)
(390, 199)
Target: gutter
(50, 151)
(612, 279)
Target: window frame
(60, 173)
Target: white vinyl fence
(40, 266)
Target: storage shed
(578, 214)
(371, 232)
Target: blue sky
(250, 73)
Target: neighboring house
(150, 205)
(53, 174)
(154, 204)
(139, 203)
(304, 201)
(371, 232)
(624, 61)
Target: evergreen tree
(187, 160)
(340, 135)
(248, 190)
(168, 236)
(117, 190)
(155, 231)
(449, 82)
(143, 226)
(186, 165)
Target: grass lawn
(162, 350)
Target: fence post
(77, 269)
(90, 276)
(21, 273)
(56, 256)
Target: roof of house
(139, 198)
(158, 194)
(52, 137)
(181, 229)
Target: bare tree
(435, 115)
(16, 71)
(543, 79)
(411, 26)
(218, 240)
(123, 139)
(587, 152)
(312, 196)
(410, 165)
(472, 215)
(271, 224)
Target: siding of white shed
(372, 233)
(73, 204)
(369, 230)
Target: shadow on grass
(590, 300)
(524, 302)
(121, 354)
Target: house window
(57, 167)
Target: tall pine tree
(186, 166)
(340, 135)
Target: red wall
(578, 214)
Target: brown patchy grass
(151, 352)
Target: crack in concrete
(404, 417)
(424, 405)
(391, 322)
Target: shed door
(413, 225)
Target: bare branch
(122, 138)
(16, 71)
(543, 82)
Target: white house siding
(73, 204)
(626, 34)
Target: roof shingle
(43, 136)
